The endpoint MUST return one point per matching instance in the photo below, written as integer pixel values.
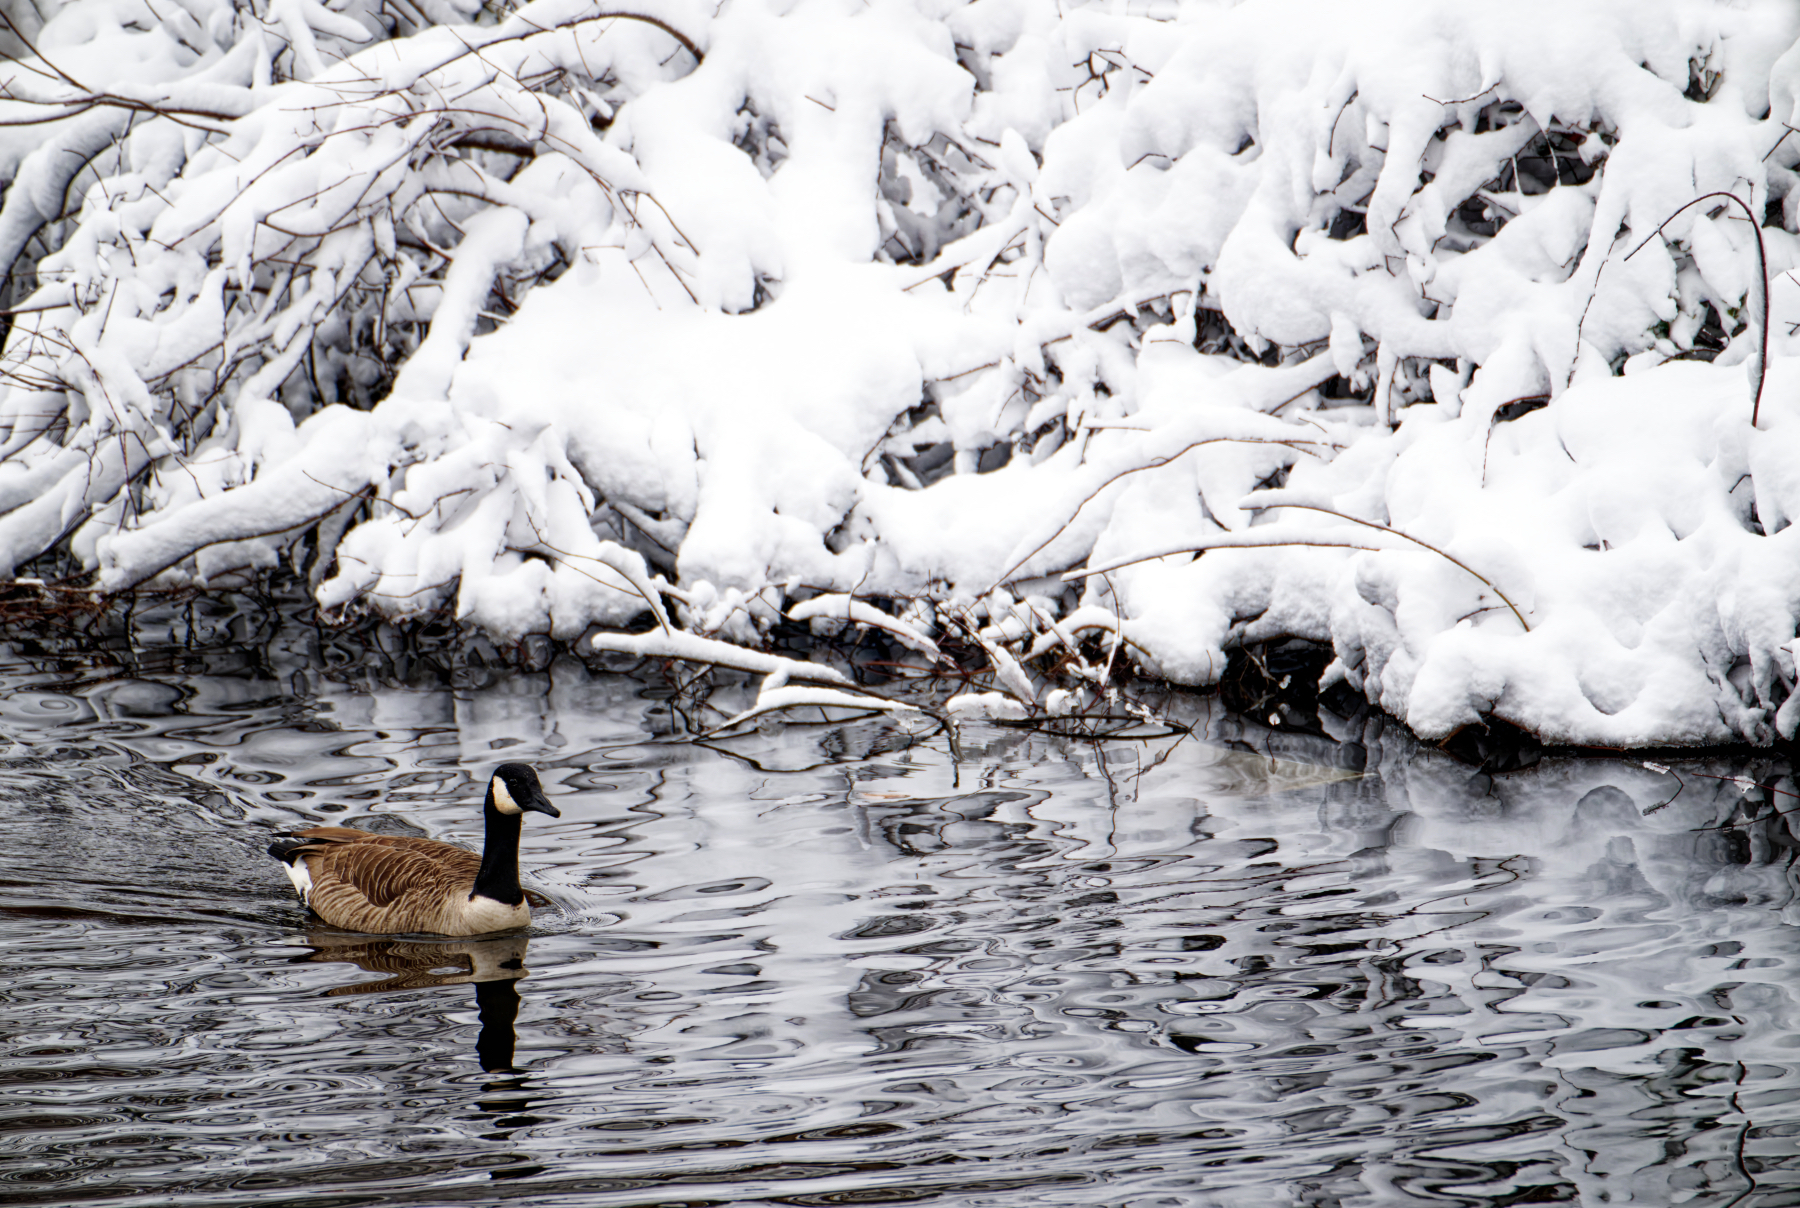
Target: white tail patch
(503, 800)
(301, 876)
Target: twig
(1492, 586)
(1762, 262)
(1275, 540)
(1154, 463)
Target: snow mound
(1102, 333)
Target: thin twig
(1155, 463)
(1762, 263)
(1275, 542)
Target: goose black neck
(499, 875)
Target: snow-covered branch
(935, 322)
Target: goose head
(514, 788)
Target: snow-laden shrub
(548, 315)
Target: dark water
(832, 965)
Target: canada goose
(385, 884)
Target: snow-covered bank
(992, 315)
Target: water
(835, 965)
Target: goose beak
(538, 803)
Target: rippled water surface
(837, 965)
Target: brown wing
(386, 884)
(383, 873)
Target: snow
(674, 644)
(977, 706)
(837, 606)
(1106, 332)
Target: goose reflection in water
(495, 968)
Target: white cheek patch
(503, 800)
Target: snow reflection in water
(822, 966)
